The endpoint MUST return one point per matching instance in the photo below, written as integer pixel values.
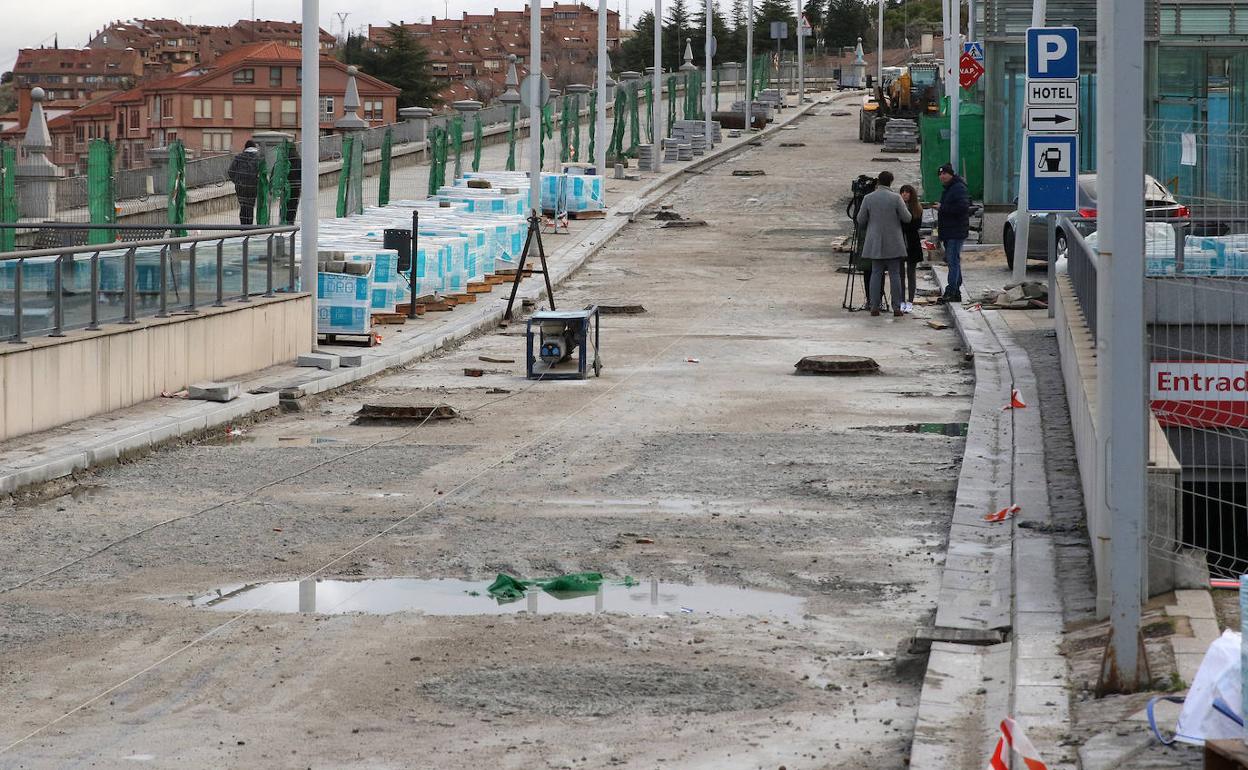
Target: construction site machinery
(904, 92)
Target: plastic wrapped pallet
(342, 303)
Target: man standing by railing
(244, 173)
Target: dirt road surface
(731, 471)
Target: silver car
(1159, 205)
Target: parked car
(1159, 206)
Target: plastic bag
(1217, 679)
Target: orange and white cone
(1004, 513)
(1014, 741)
(1016, 401)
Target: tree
(734, 50)
(848, 20)
(402, 62)
(675, 31)
(697, 36)
(637, 52)
(765, 14)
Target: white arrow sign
(1052, 120)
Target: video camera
(860, 188)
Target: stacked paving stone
(901, 135)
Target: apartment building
(71, 77)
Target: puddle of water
(271, 441)
(465, 597)
(930, 428)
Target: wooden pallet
(480, 287)
(499, 278)
(389, 318)
(1226, 755)
(599, 214)
(464, 298)
(367, 340)
(403, 308)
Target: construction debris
(1028, 295)
(685, 223)
(837, 365)
(405, 412)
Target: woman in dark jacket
(914, 247)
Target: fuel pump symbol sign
(1053, 172)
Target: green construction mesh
(8, 196)
(177, 187)
(478, 139)
(344, 175)
(438, 142)
(506, 588)
(650, 111)
(576, 128)
(547, 129)
(671, 103)
(279, 180)
(511, 140)
(715, 104)
(383, 179)
(262, 191)
(593, 128)
(457, 142)
(615, 148)
(634, 121)
(565, 130)
(101, 190)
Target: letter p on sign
(1053, 53)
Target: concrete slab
(214, 391)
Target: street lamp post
(310, 153)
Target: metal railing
(1081, 265)
(46, 292)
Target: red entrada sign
(972, 70)
(1199, 394)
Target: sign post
(1051, 164)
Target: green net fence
(279, 181)
(715, 104)
(565, 130)
(634, 121)
(101, 190)
(457, 143)
(176, 204)
(344, 176)
(438, 143)
(478, 139)
(576, 128)
(548, 129)
(593, 128)
(8, 196)
(615, 148)
(511, 139)
(383, 174)
(262, 191)
(650, 111)
(671, 103)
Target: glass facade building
(1197, 86)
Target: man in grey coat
(882, 214)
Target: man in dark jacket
(245, 173)
(953, 221)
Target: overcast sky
(74, 21)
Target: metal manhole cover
(837, 365)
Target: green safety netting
(262, 190)
(478, 139)
(101, 190)
(671, 103)
(355, 198)
(547, 129)
(344, 175)
(615, 148)
(279, 180)
(457, 142)
(511, 140)
(634, 122)
(715, 105)
(177, 187)
(650, 110)
(8, 196)
(576, 128)
(565, 130)
(383, 179)
(506, 588)
(438, 143)
(593, 127)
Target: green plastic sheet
(383, 180)
(511, 140)
(576, 128)
(262, 191)
(8, 196)
(634, 122)
(101, 190)
(547, 129)
(279, 180)
(565, 130)
(506, 588)
(715, 104)
(650, 111)
(593, 128)
(177, 187)
(671, 103)
(478, 139)
(344, 175)
(615, 148)
(457, 142)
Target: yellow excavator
(905, 92)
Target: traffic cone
(1004, 513)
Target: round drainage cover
(837, 365)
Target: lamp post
(310, 154)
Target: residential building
(214, 108)
(72, 76)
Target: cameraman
(884, 244)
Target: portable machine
(554, 337)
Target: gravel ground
(731, 471)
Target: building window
(244, 76)
(327, 108)
(227, 109)
(218, 141)
(134, 121)
(80, 132)
(166, 108)
(264, 113)
(275, 77)
(201, 108)
(290, 116)
(299, 78)
(373, 109)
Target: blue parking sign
(1052, 172)
(1052, 53)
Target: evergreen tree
(847, 21)
(637, 52)
(677, 28)
(697, 36)
(402, 62)
(735, 49)
(765, 14)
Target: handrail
(233, 232)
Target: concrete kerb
(127, 443)
(1008, 446)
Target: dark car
(1159, 206)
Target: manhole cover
(677, 223)
(749, 172)
(406, 412)
(837, 365)
(621, 308)
(792, 144)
